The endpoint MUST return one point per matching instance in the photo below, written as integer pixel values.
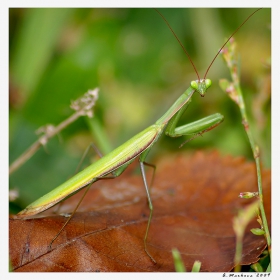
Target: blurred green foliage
(57, 54)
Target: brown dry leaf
(195, 198)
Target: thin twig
(83, 107)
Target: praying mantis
(114, 163)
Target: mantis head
(201, 86)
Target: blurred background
(57, 54)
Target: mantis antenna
(217, 52)
(189, 57)
(228, 40)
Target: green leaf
(178, 263)
(257, 231)
(196, 266)
(257, 267)
(268, 268)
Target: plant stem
(235, 93)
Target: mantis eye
(194, 85)
(208, 83)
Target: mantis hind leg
(150, 207)
(115, 174)
(70, 217)
(142, 168)
(154, 171)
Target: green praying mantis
(114, 163)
